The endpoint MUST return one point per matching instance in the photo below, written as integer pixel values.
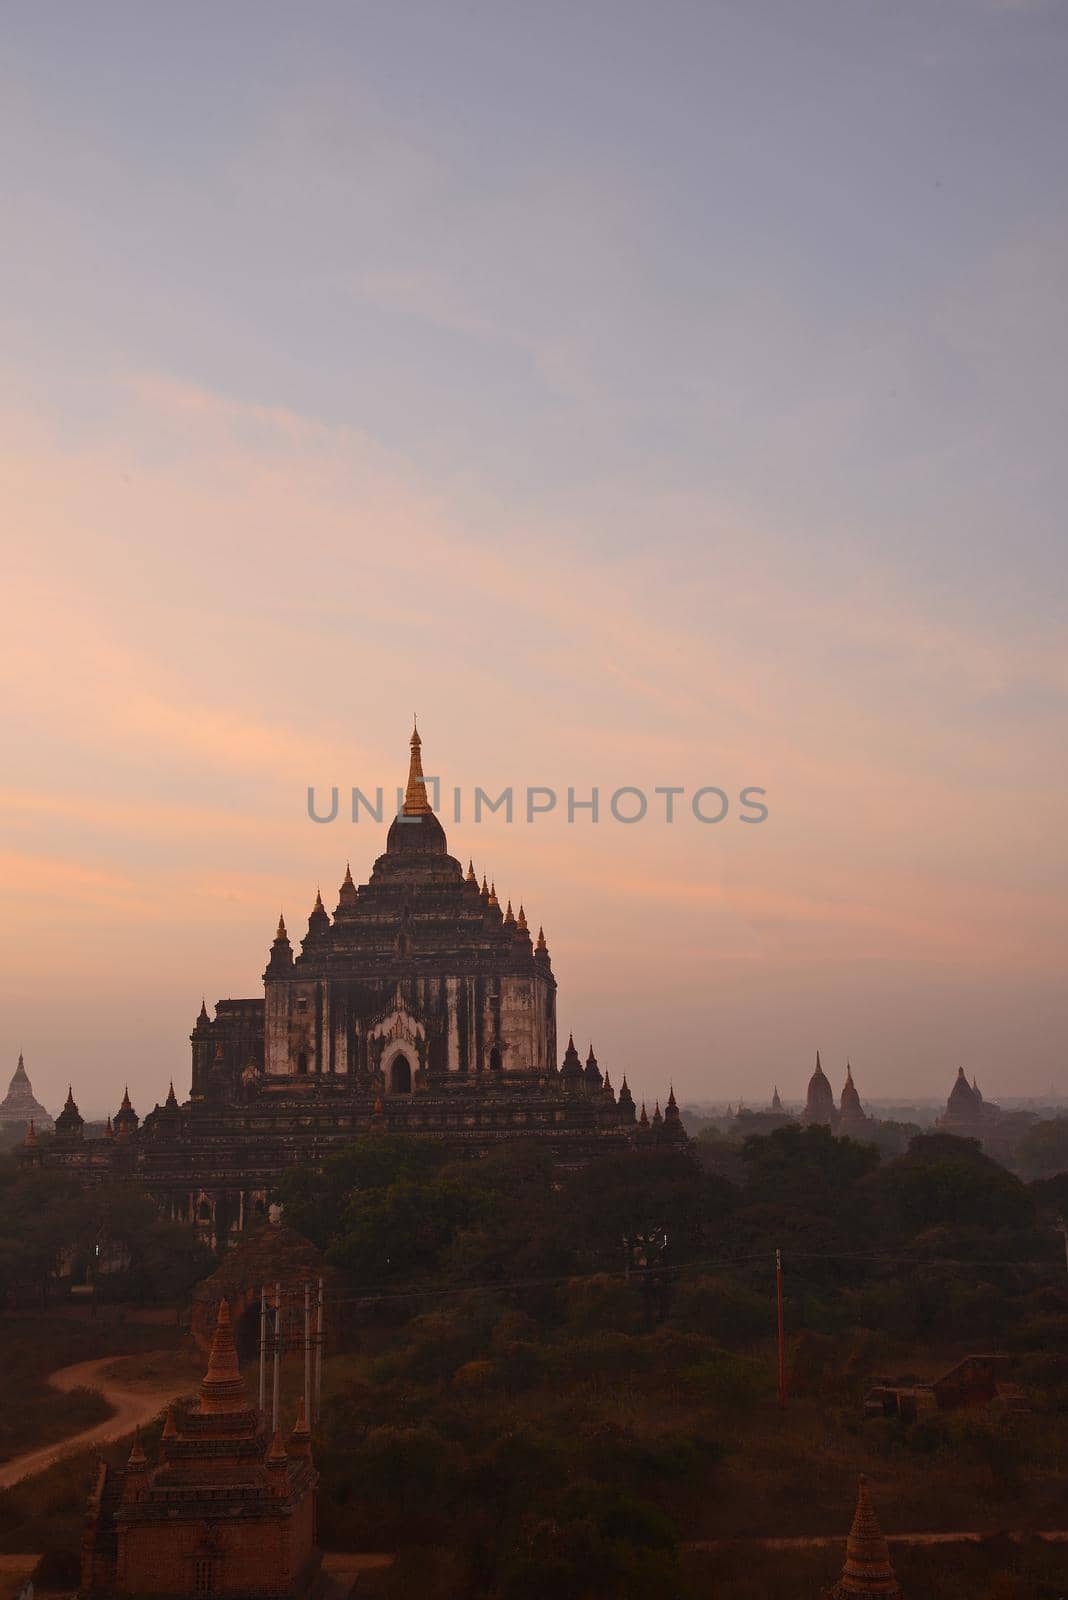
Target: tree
(314, 1198)
(1043, 1150)
(945, 1181)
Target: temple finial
(416, 803)
(281, 931)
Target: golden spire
(522, 919)
(509, 915)
(137, 1457)
(416, 803)
(471, 873)
(281, 934)
(867, 1574)
(493, 896)
(485, 888)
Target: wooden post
(277, 1352)
(782, 1330)
(263, 1349)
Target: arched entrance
(400, 1075)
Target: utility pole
(263, 1349)
(782, 1330)
(307, 1351)
(277, 1352)
(319, 1353)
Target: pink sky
(643, 394)
(211, 606)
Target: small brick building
(226, 1510)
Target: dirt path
(133, 1403)
(825, 1541)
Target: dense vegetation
(53, 1231)
(567, 1386)
(559, 1386)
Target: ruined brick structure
(420, 1007)
(227, 1510)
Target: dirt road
(825, 1541)
(133, 1404)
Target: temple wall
(465, 1019)
(295, 1026)
(253, 1554)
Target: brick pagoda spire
(867, 1574)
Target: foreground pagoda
(227, 1510)
(867, 1574)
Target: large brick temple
(419, 1007)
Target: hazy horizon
(644, 395)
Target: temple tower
(419, 976)
(19, 1106)
(867, 1574)
(852, 1119)
(819, 1102)
(227, 1510)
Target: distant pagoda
(19, 1106)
